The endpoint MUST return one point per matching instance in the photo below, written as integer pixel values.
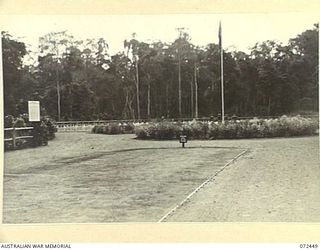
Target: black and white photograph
(171, 118)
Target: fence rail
(15, 135)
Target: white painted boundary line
(201, 186)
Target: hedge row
(254, 128)
(114, 128)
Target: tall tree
(182, 46)
(56, 45)
(13, 53)
(124, 76)
(155, 79)
(305, 66)
(133, 47)
(149, 64)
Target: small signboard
(183, 140)
(34, 111)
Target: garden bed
(232, 129)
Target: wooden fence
(15, 135)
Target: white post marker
(34, 111)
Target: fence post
(14, 137)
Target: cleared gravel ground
(82, 177)
(278, 181)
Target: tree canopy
(79, 80)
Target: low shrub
(8, 121)
(52, 128)
(40, 134)
(165, 130)
(141, 132)
(114, 128)
(231, 129)
(42, 131)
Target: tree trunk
(196, 90)
(58, 97)
(58, 87)
(125, 108)
(254, 104)
(86, 64)
(212, 92)
(179, 79)
(128, 111)
(167, 100)
(113, 107)
(149, 101)
(131, 109)
(269, 105)
(191, 100)
(137, 87)
(71, 101)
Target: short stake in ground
(183, 140)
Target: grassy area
(83, 177)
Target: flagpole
(221, 67)
(1, 113)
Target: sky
(239, 31)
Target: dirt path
(278, 181)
